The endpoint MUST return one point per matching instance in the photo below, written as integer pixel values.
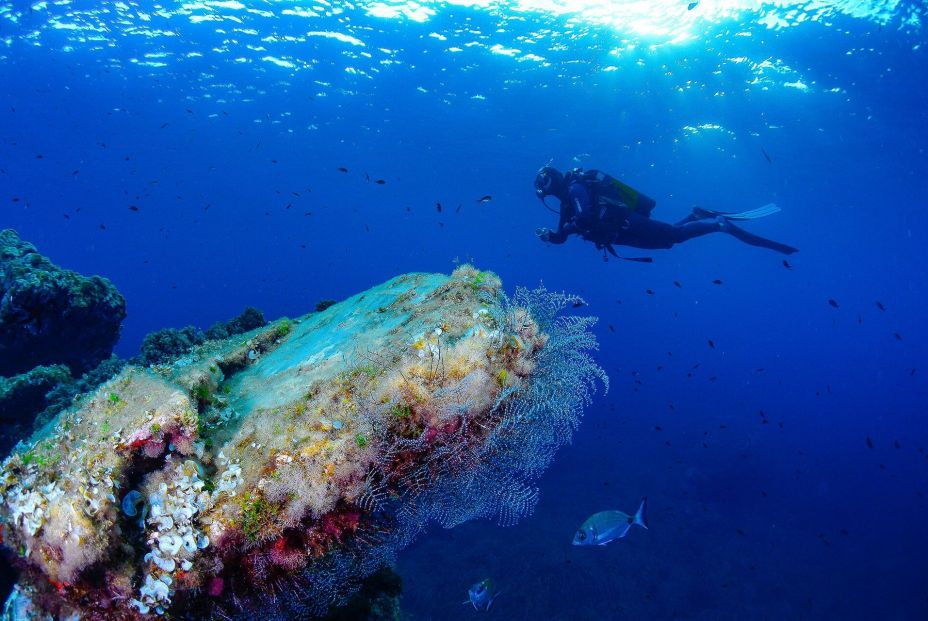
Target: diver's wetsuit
(607, 221)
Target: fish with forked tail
(482, 595)
(605, 526)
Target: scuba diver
(605, 211)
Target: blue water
(225, 125)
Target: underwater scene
(438, 310)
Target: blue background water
(227, 135)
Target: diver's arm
(565, 226)
(554, 237)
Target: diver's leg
(752, 239)
(698, 213)
(648, 233)
(695, 228)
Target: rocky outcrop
(27, 392)
(272, 472)
(50, 315)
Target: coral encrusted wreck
(269, 473)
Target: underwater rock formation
(27, 392)
(166, 345)
(49, 315)
(271, 472)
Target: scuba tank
(608, 192)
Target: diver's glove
(543, 234)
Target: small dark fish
(612, 329)
(787, 265)
(438, 207)
(692, 5)
(716, 282)
(102, 227)
(912, 372)
(189, 111)
(869, 442)
(833, 303)
(739, 531)
(367, 177)
(380, 182)
(75, 172)
(649, 291)
(485, 199)
(880, 306)
(898, 336)
(342, 169)
(39, 156)
(767, 157)
(163, 125)
(677, 284)
(579, 304)
(896, 444)
(458, 208)
(133, 208)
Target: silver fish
(605, 526)
(482, 594)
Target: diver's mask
(548, 181)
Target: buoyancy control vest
(612, 202)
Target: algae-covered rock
(49, 315)
(27, 391)
(22, 397)
(164, 346)
(273, 471)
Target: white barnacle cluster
(26, 502)
(483, 324)
(173, 536)
(27, 509)
(429, 343)
(227, 483)
(230, 478)
(97, 491)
